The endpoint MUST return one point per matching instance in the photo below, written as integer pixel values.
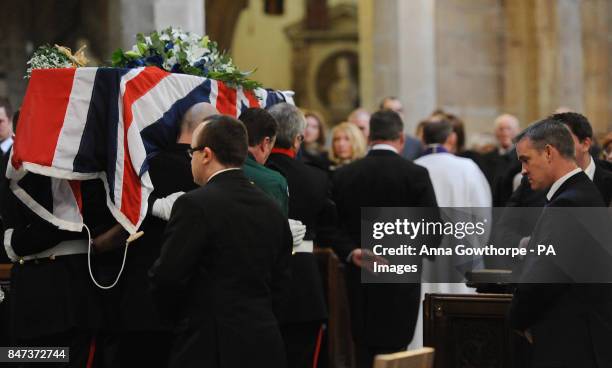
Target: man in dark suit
(224, 266)
(495, 163)
(514, 224)
(302, 321)
(6, 142)
(568, 324)
(383, 315)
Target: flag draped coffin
(87, 123)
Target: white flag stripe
(118, 185)
(262, 96)
(64, 203)
(214, 92)
(69, 139)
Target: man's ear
(263, 145)
(207, 155)
(296, 143)
(587, 142)
(548, 151)
(452, 139)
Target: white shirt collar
(220, 171)
(560, 181)
(590, 170)
(6, 144)
(383, 146)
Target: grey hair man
(308, 203)
(568, 323)
(546, 151)
(291, 126)
(506, 128)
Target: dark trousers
(149, 349)
(5, 326)
(79, 342)
(300, 343)
(365, 354)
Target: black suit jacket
(413, 148)
(520, 219)
(223, 272)
(308, 202)
(382, 314)
(571, 323)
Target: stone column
(129, 17)
(396, 42)
(596, 49)
(519, 61)
(545, 63)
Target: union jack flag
(87, 123)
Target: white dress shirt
(590, 169)
(6, 144)
(383, 146)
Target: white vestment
(457, 182)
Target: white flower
(164, 37)
(195, 53)
(169, 63)
(148, 41)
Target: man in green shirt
(261, 128)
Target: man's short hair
(259, 124)
(291, 123)
(437, 132)
(577, 123)
(549, 132)
(8, 108)
(386, 125)
(226, 137)
(381, 106)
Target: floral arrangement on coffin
(177, 51)
(49, 57)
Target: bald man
(413, 148)
(361, 118)
(506, 128)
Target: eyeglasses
(191, 150)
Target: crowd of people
(225, 274)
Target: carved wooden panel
(470, 331)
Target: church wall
(260, 41)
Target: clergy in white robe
(458, 182)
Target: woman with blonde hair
(348, 145)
